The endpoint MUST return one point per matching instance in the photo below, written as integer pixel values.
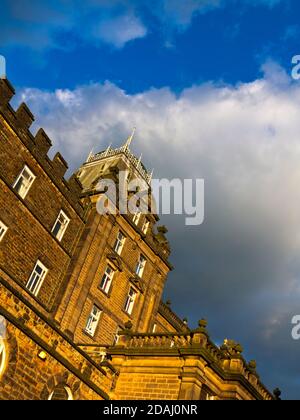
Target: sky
(208, 85)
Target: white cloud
(37, 24)
(120, 30)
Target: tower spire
(140, 159)
(151, 176)
(107, 150)
(129, 140)
(91, 154)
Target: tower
(122, 264)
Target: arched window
(2, 355)
(61, 393)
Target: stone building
(80, 291)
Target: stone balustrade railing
(227, 357)
(166, 341)
(133, 159)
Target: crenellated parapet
(6, 92)
(20, 122)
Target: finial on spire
(91, 154)
(151, 176)
(140, 159)
(130, 138)
(107, 150)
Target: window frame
(146, 226)
(130, 301)
(65, 226)
(120, 242)
(140, 268)
(137, 217)
(108, 281)
(3, 230)
(36, 290)
(88, 331)
(33, 177)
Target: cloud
(240, 268)
(43, 25)
(32, 23)
(39, 25)
(120, 30)
(181, 13)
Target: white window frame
(146, 226)
(36, 280)
(107, 279)
(3, 230)
(137, 217)
(140, 268)
(27, 185)
(120, 242)
(93, 321)
(130, 301)
(60, 234)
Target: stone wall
(26, 375)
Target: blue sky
(208, 85)
(142, 44)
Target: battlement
(39, 145)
